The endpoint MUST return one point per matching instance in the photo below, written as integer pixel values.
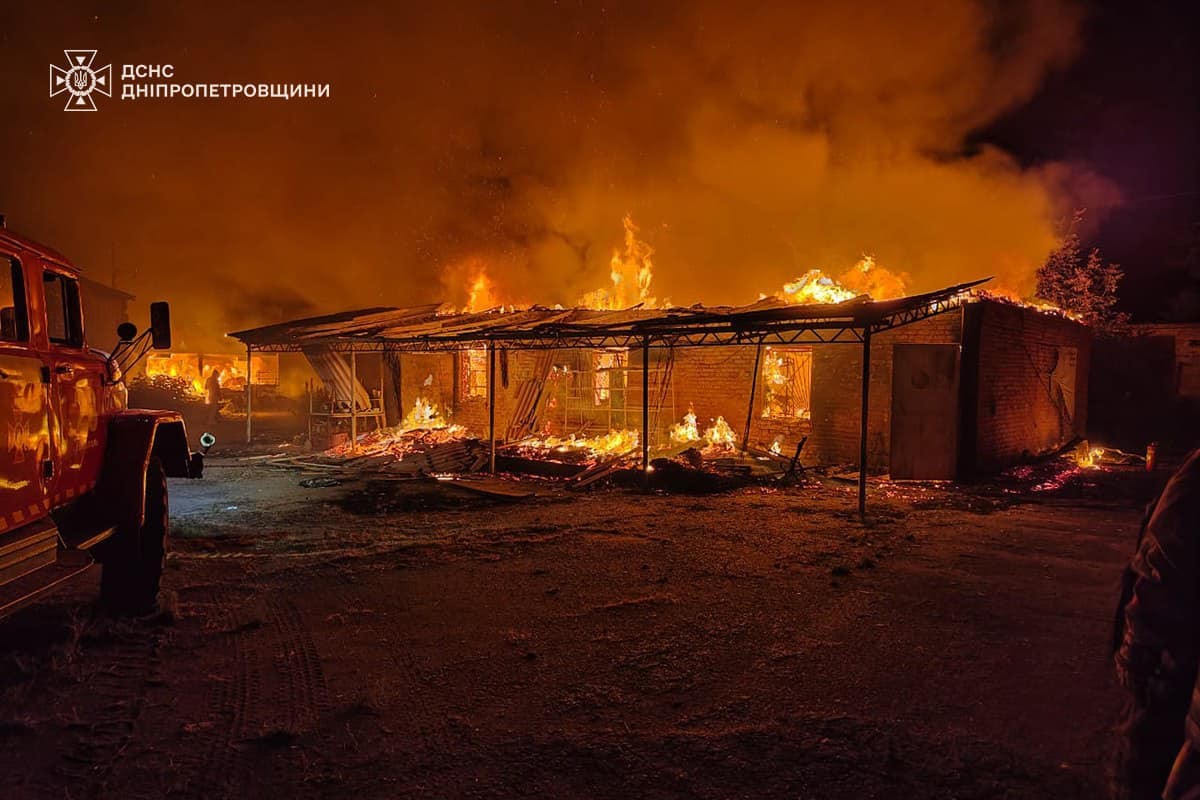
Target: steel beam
(646, 413)
(249, 397)
(862, 433)
(492, 408)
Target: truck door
(24, 407)
(76, 377)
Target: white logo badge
(79, 80)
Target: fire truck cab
(82, 477)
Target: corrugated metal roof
(437, 327)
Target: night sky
(945, 138)
(1130, 106)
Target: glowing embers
(1089, 457)
(787, 383)
(1011, 298)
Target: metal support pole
(646, 410)
(492, 407)
(753, 388)
(249, 397)
(862, 435)
(353, 401)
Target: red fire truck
(82, 477)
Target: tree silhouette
(1085, 285)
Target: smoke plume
(749, 145)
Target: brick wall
(1186, 377)
(1018, 399)
(716, 382)
(416, 369)
(1023, 408)
(837, 387)
(473, 412)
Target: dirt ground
(392, 640)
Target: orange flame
(717, 437)
(187, 367)
(631, 270)
(615, 442)
(482, 294)
(686, 431)
(864, 278)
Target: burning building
(932, 386)
(192, 370)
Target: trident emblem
(79, 80)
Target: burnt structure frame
(770, 322)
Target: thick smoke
(750, 145)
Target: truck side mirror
(160, 325)
(126, 331)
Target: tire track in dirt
(107, 721)
(213, 765)
(271, 692)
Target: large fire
(426, 415)
(195, 368)
(631, 270)
(482, 294)
(864, 278)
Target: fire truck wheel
(133, 570)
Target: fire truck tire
(133, 569)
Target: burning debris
(423, 428)
(717, 438)
(1089, 457)
(614, 444)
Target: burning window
(606, 363)
(787, 383)
(475, 372)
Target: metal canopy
(769, 321)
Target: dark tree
(1085, 285)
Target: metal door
(924, 411)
